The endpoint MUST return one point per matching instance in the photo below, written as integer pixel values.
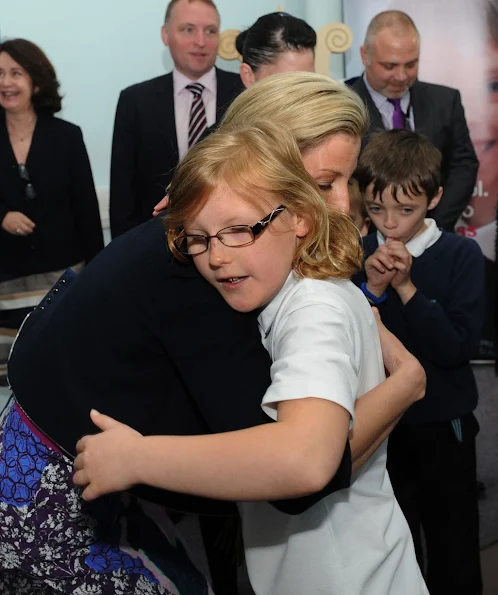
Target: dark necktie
(197, 120)
(399, 118)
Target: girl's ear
(302, 227)
(435, 201)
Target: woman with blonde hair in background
(253, 222)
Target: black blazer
(439, 115)
(65, 209)
(147, 340)
(145, 149)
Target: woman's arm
(378, 411)
(297, 455)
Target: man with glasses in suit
(397, 99)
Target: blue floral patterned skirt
(51, 541)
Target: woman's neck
(21, 120)
(21, 124)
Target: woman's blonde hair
(257, 162)
(311, 106)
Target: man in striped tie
(197, 122)
(157, 121)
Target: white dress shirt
(183, 101)
(323, 341)
(386, 108)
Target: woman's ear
(302, 227)
(247, 75)
(435, 201)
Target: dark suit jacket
(439, 115)
(145, 339)
(145, 149)
(65, 209)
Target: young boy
(428, 287)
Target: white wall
(98, 47)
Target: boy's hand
(402, 259)
(379, 269)
(104, 461)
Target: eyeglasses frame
(256, 230)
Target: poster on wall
(459, 49)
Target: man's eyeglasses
(234, 237)
(29, 190)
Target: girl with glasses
(257, 229)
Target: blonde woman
(160, 336)
(252, 220)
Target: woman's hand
(398, 359)
(104, 461)
(159, 208)
(17, 224)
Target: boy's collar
(419, 244)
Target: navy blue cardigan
(441, 324)
(143, 338)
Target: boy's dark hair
(271, 35)
(401, 159)
(38, 66)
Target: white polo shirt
(324, 343)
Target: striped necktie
(197, 121)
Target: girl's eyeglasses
(234, 236)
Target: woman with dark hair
(277, 42)
(48, 206)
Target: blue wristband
(373, 299)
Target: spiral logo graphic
(226, 49)
(336, 37)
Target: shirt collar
(180, 81)
(268, 314)
(422, 242)
(380, 99)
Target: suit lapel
(164, 112)
(42, 141)
(376, 122)
(421, 110)
(226, 91)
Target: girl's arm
(298, 455)
(378, 411)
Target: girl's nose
(219, 254)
